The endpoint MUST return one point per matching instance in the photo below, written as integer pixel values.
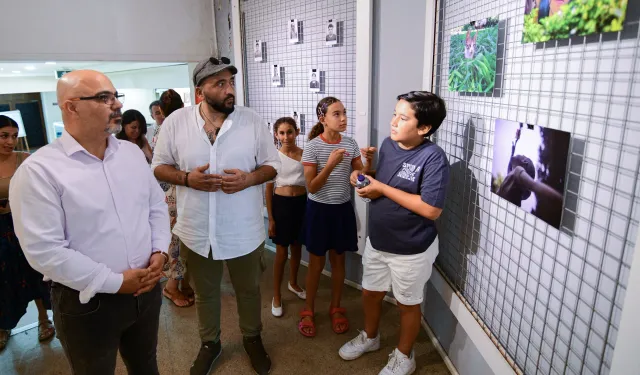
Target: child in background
(406, 198)
(286, 203)
(329, 159)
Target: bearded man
(218, 155)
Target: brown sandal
(189, 293)
(173, 298)
(46, 330)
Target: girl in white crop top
(286, 203)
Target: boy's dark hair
(429, 108)
(155, 103)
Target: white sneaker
(276, 311)
(301, 295)
(358, 346)
(399, 364)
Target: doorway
(33, 124)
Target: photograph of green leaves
(472, 58)
(560, 19)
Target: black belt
(62, 286)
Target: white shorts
(405, 274)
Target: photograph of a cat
(470, 46)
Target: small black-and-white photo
(332, 36)
(293, 31)
(275, 75)
(314, 80)
(257, 51)
(295, 116)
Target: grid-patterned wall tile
(552, 297)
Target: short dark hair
(8, 121)
(430, 109)
(155, 103)
(170, 101)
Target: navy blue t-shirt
(423, 170)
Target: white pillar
(364, 49)
(237, 51)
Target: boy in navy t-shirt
(406, 198)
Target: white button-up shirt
(82, 221)
(228, 225)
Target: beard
(222, 106)
(113, 129)
(115, 123)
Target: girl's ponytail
(316, 130)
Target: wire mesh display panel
(552, 297)
(268, 21)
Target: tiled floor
(291, 353)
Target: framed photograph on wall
(275, 76)
(332, 34)
(473, 56)
(257, 51)
(293, 31)
(314, 80)
(530, 167)
(560, 19)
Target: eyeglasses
(107, 98)
(213, 61)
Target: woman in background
(19, 283)
(134, 130)
(177, 288)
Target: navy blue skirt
(330, 227)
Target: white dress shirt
(82, 221)
(228, 225)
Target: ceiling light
(16, 72)
(50, 63)
(30, 67)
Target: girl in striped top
(330, 225)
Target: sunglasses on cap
(212, 61)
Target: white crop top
(291, 172)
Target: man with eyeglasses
(91, 217)
(218, 155)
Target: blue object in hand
(363, 182)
